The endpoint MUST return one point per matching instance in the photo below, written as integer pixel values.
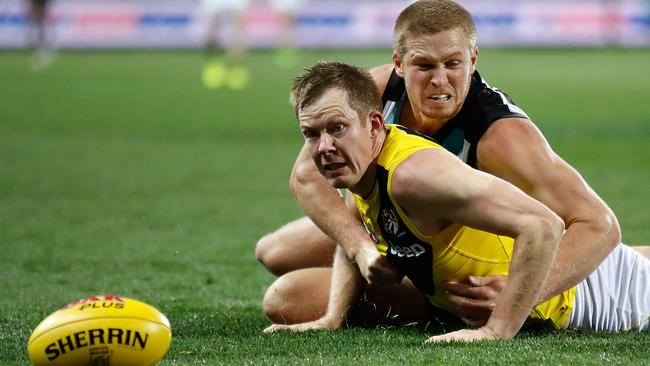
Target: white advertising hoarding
(329, 23)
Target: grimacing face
(341, 147)
(437, 71)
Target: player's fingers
(274, 328)
(382, 273)
(496, 282)
(464, 335)
(469, 291)
(293, 328)
(478, 310)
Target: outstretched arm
(435, 188)
(326, 208)
(515, 150)
(344, 289)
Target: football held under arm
(436, 189)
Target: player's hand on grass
(302, 327)
(465, 335)
(474, 298)
(375, 268)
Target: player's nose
(326, 144)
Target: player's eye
(309, 134)
(338, 128)
(453, 64)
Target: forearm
(325, 207)
(345, 285)
(531, 262)
(583, 247)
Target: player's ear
(474, 57)
(398, 65)
(376, 123)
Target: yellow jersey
(454, 253)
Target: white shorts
(285, 5)
(616, 296)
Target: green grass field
(121, 174)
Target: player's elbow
(550, 228)
(295, 181)
(302, 175)
(606, 225)
(555, 227)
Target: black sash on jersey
(394, 89)
(411, 256)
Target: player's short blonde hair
(427, 17)
(356, 82)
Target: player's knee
(267, 252)
(262, 249)
(276, 302)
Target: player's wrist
(491, 333)
(332, 321)
(359, 249)
(499, 329)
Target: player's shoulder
(428, 174)
(509, 141)
(381, 74)
(492, 101)
(401, 142)
(509, 131)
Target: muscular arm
(515, 150)
(325, 207)
(435, 188)
(344, 290)
(345, 286)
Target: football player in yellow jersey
(345, 135)
(436, 219)
(435, 58)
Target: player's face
(437, 71)
(341, 147)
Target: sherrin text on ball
(101, 330)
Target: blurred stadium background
(120, 173)
(331, 23)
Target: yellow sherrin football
(101, 330)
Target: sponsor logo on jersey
(414, 250)
(391, 224)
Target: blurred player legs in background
(37, 33)
(286, 55)
(223, 66)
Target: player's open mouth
(330, 167)
(440, 97)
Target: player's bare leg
(302, 296)
(296, 245)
